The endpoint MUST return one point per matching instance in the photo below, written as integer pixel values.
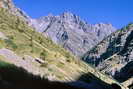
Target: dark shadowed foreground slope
(12, 77)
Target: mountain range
(72, 33)
(37, 45)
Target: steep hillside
(74, 34)
(8, 4)
(114, 55)
(22, 46)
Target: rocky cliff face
(71, 32)
(114, 55)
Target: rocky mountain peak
(67, 14)
(69, 17)
(73, 33)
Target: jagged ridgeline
(71, 32)
(22, 46)
(114, 55)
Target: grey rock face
(72, 33)
(113, 53)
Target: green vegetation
(24, 40)
(43, 55)
(60, 64)
(1, 43)
(44, 65)
(4, 64)
(11, 44)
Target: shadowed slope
(12, 77)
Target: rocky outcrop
(114, 54)
(71, 32)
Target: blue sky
(117, 12)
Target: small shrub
(11, 37)
(49, 69)
(43, 55)
(60, 64)
(40, 40)
(11, 44)
(68, 60)
(67, 55)
(44, 65)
